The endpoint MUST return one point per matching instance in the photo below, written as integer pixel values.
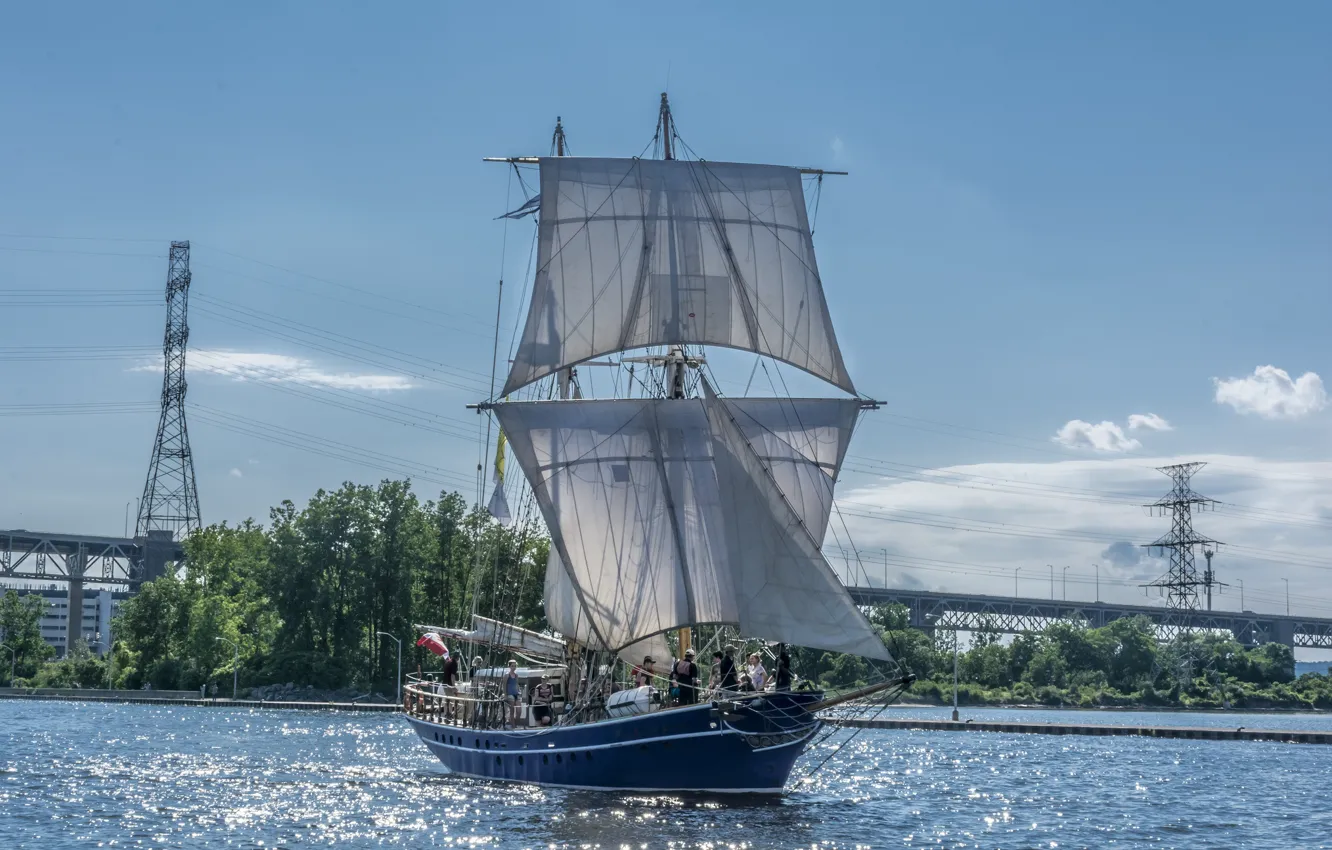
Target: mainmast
(557, 141)
(665, 127)
(674, 361)
(570, 375)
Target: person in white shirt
(757, 674)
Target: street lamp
(1015, 586)
(1065, 584)
(399, 643)
(12, 660)
(1287, 581)
(1098, 581)
(235, 663)
(1051, 566)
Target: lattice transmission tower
(170, 498)
(1181, 583)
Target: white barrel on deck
(629, 702)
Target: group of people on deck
(724, 676)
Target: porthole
(487, 744)
(573, 756)
(559, 759)
(520, 761)
(478, 743)
(497, 759)
(545, 759)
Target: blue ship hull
(723, 748)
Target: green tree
(21, 631)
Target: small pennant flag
(435, 644)
(499, 504)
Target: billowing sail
(630, 492)
(785, 590)
(635, 253)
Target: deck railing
(480, 706)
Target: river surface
(99, 775)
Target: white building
(99, 607)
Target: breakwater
(1201, 733)
(185, 698)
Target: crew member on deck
(542, 696)
(686, 678)
(783, 677)
(758, 674)
(511, 692)
(643, 675)
(726, 669)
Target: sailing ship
(678, 511)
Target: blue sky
(1053, 214)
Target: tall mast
(665, 127)
(557, 141)
(675, 359)
(557, 145)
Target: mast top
(557, 141)
(665, 127)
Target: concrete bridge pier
(76, 565)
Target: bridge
(76, 559)
(931, 610)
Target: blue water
(94, 775)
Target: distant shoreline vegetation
(303, 598)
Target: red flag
(434, 643)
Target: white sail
(630, 492)
(565, 615)
(785, 589)
(634, 253)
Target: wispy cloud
(236, 473)
(1150, 421)
(280, 369)
(1105, 437)
(1272, 394)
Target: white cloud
(1105, 437)
(1150, 421)
(280, 369)
(976, 528)
(236, 473)
(1270, 393)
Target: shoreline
(91, 695)
(1164, 709)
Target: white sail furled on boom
(635, 253)
(632, 496)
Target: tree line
(304, 598)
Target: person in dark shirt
(451, 671)
(782, 678)
(726, 669)
(542, 696)
(686, 678)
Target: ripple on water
(78, 775)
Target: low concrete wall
(99, 693)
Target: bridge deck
(970, 611)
